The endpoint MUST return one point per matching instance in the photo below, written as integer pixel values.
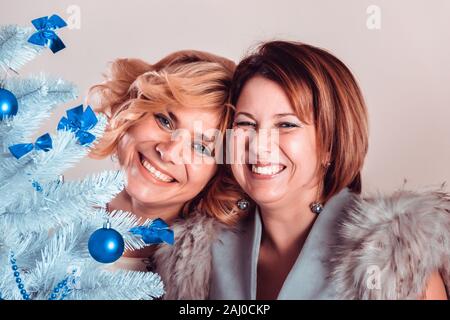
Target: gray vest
(235, 258)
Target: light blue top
(235, 258)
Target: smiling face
(166, 171)
(285, 164)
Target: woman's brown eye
(288, 125)
(244, 124)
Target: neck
(144, 211)
(287, 223)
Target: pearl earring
(114, 158)
(243, 204)
(316, 207)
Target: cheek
(239, 145)
(238, 173)
(125, 149)
(302, 154)
(199, 176)
(135, 136)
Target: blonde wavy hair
(135, 89)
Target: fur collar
(185, 267)
(389, 245)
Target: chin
(265, 196)
(138, 192)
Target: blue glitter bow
(44, 142)
(157, 232)
(79, 122)
(45, 36)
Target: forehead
(188, 117)
(202, 123)
(263, 97)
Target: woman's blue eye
(202, 149)
(163, 121)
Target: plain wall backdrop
(403, 67)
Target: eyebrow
(173, 116)
(245, 114)
(278, 115)
(202, 136)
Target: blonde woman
(171, 167)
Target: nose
(263, 146)
(172, 150)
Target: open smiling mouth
(158, 175)
(266, 170)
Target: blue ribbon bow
(79, 122)
(157, 232)
(44, 142)
(45, 36)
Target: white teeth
(267, 170)
(155, 173)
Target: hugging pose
(257, 169)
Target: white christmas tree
(46, 223)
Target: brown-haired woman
(170, 165)
(300, 116)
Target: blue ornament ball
(106, 245)
(8, 104)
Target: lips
(266, 169)
(155, 172)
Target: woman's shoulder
(389, 245)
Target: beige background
(403, 68)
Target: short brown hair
(134, 89)
(321, 90)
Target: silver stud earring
(316, 207)
(243, 204)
